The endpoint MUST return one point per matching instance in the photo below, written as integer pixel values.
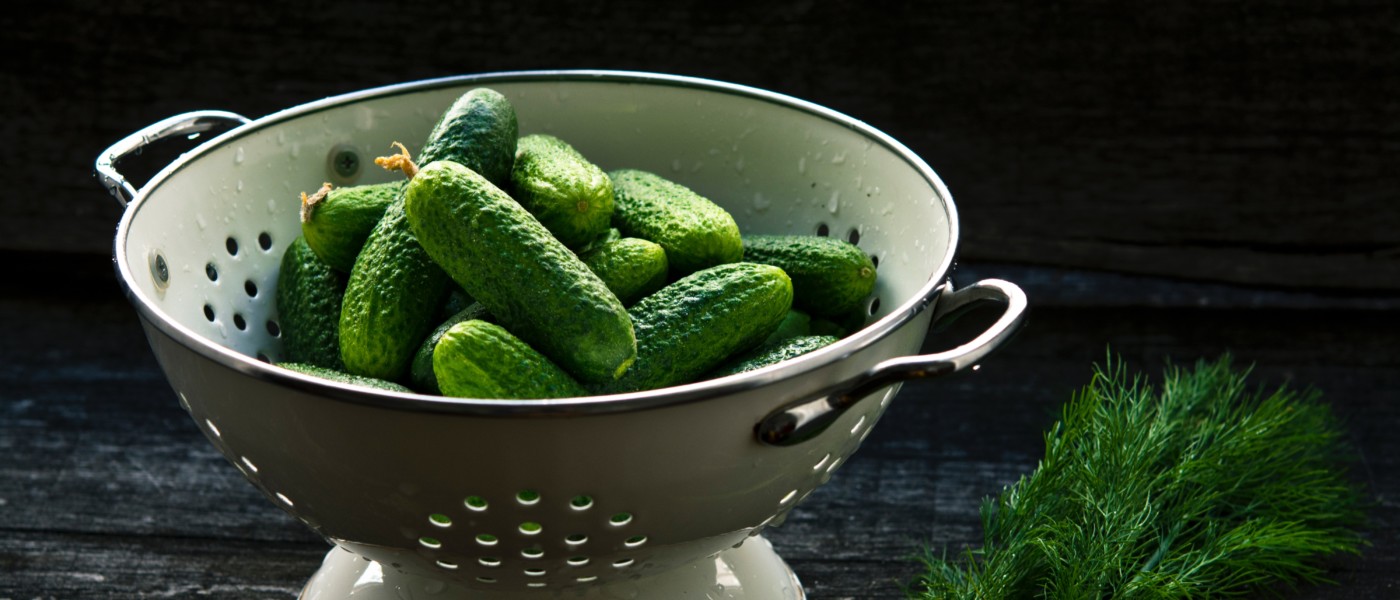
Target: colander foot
(752, 571)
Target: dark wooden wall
(1250, 142)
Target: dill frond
(1204, 488)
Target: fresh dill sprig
(1205, 488)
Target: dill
(1205, 488)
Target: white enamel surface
(751, 572)
(392, 484)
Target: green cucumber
(395, 288)
(772, 354)
(570, 196)
(694, 324)
(420, 371)
(631, 267)
(342, 377)
(535, 286)
(695, 232)
(479, 131)
(796, 323)
(336, 223)
(830, 277)
(476, 359)
(309, 293)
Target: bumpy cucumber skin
(420, 371)
(795, 324)
(631, 267)
(772, 354)
(829, 277)
(695, 232)
(337, 227)
(342, 377)
(309, 293)
(535, 286)
(570, 196)
(395, 288)
(476, 359)
(694, 324)
(479, 131)
(394, 291)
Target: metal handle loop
(803, 420)
(182, 124)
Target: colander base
(753, 571)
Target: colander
(643, 495)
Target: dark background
(1172, 179)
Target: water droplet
(272, 205)
(676, 165)
(761, 203)
(296, 150)
(697, 166)
(834, 203)
(838, 158)
(238, 156)
(281, 138)
(199, 220)
(802, 166)
(239, 187)
(739, 165)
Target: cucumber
(479, 131)
(695, 232)
(476, 359)
(796, 323)
(420, 370)
(309, 293)
(535, 286)
(336, 223)
(395, 289)
(631, 267)
(694, 324)
(772, 354)
(342, 377)
(570, 196)
(830, 277)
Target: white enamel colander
(644, 495)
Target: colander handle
(183, 124)
(803, 420)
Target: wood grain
(1245, 142)
(107, 490)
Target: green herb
(1204, 489)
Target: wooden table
(1171, 181)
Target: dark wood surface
(1172, 180)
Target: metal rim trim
(571, 406)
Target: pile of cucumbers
(510, 267)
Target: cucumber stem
(308, 204)
(398, 162)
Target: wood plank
(1233, 142)
(109, 490)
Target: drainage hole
(532, 552)
(853, 236)
(581, 502)
(232, 246)
(476, 503)
(273, 329)
(489, 561)
(822, 230)
(577, 539)
(635, 541)
(239, 322)
(251, 288)
(875, 260)
(528, 497)
(486, 539)
(626, 562)
(530, 528)
(440, 520)
(264, 241)
(209, 313)
(874, 306)
(578, 561)
(211, 271)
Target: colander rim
(692, 392)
